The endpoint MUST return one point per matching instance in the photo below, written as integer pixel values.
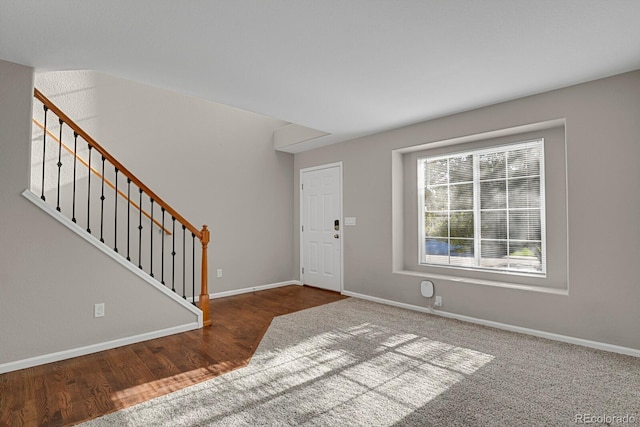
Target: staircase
(76, 179)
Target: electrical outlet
(438, 302)
(219, 272)
(98, 310)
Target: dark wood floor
(79, 389)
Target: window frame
(498, 148)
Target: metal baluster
(44, 148)
(115, 214)
(102, 204)
(59, 164)
(128, 218)
(140, 231)
(75, 158)
(162, 251)
(89, 191)
(151, 235)
(193, 269)
(184, 260)
(173, 256)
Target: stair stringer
(29, 195)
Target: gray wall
(49, 277)
(601, 299)
(222, 170)
(214, 164)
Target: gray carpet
(359, 363)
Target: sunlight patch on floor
(364, 373)
(142, 392)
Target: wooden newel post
(204, 288)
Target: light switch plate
(349, 220)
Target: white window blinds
(484, 209)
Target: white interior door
(321, 228)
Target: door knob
(336, 236)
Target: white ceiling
(346, 67)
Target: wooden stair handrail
(202, 235)
(98, 174)
(77, 129)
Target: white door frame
(301, 202)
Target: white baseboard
(387, 302)
(94, 348)
(67, 354)
(542, 334)
(252, 289)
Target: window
(484, 209)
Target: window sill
(482, 282)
